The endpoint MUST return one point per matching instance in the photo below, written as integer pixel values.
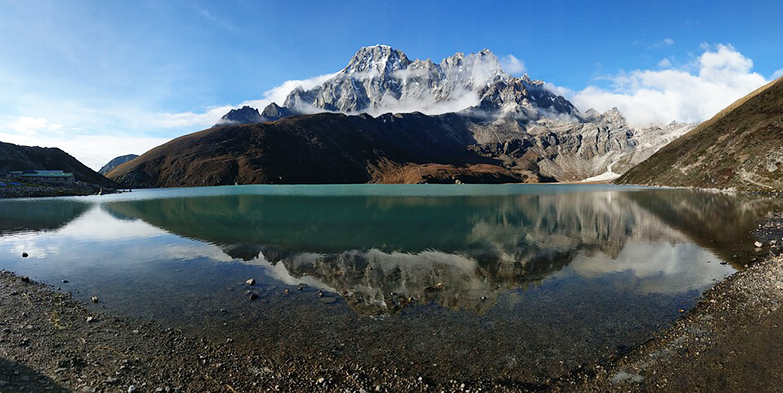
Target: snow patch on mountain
(380, 79)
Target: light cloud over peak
(512, 65)
(722, 75)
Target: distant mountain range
(19, 158)
(465, 120)
(741, 148)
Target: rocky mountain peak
(378, 58)
(243, 115)
(614, 116)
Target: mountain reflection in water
(383, 253)
(517, 282)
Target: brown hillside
(741, 147)
(321, 148)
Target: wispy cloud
(512, 65)
(32, 126)
(666, 42)
(92, 150)
(693, 93)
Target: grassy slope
(735, 149)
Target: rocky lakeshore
(40, 191)
(49, 341)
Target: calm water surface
(520, 281)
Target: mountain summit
(379, 79)
(461, 120)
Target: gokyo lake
(514, 281)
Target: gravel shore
(731, 341)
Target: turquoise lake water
(523, 280)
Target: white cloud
(92, 150)
(32, 126)
(191, 119)
(658, 97)
(665, 63)
(512, 65)
(667, 42)
(777, 74)
(279, 93)
(212, 115)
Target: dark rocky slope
(741, 147)
(19, 158)
(324, 148)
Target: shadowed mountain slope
(321, 148)
(19, 158)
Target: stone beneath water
(251, 282)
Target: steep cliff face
(741, 147)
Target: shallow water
(523, 282)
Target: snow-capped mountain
(380, 79)
(463, 119)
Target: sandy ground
(731, 341)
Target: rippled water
(524, 281)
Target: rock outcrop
(115, 162)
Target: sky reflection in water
(522, 258)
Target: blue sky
(105, 78)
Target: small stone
(229, 340)
(65, 281)
(253, 296)
(93, 299)
(251, 282)
(90, 319)
(132, 389)
(328, 300)
(321, 380)
(758, 244)
(25, 279)
(25, 255)
(723, 263)
(88, 389)
(286, 291)
(110, 380)
(134, 331)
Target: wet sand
(731, 341)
